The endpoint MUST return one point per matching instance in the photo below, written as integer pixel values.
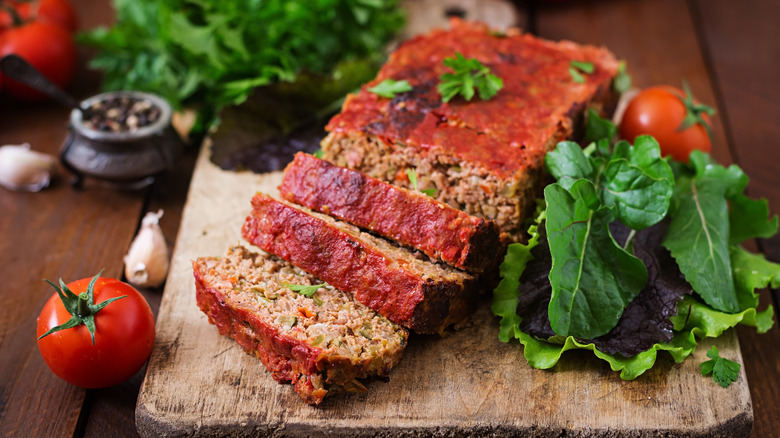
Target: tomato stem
(694, 111)
(83, 309)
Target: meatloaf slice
(396, 282)
(408, 217)
(484, 157)
(320, 343)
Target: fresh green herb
(412, 175)
(592, 277)
(576, 68)
(82, 307)
(467, 75)
(210, 54)
(305, 289)
(724, 371)
(319, 153)
(390, 87)
(622, 81)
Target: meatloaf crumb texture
(321, 344)
(408, 217)
(404, 286)
(483, 157)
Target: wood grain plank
(112, 410)
(747, 84)
(750, 108)
(466, 384)
(56, 233)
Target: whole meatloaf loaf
(409, 290)
(320, 343)
(405, 216)
(484, 157)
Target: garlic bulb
(622, 104)
(22, 169)
(146, 262)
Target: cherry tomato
(124, 334)
(47, 11)
(660, 111)
(47, 47)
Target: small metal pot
(124, 160)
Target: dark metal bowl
(125, 160)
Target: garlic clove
(22, 169)
(147, 260)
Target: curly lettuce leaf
(506, 293)
(694, 320)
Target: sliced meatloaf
(320, 343)
(408, 217)
(396, 282)
(484, 157)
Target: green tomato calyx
(81, 307)
(694, 111)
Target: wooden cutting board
(199, 383)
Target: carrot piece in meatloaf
(321, 344)
(408, 217)
(484, 157)
(399, 284)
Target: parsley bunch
(467, 75)
(210, 53)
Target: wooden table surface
(728, 53)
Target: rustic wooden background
(729, 53)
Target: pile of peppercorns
(120, 114)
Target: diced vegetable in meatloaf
(402, 285)
(408, 217)
(484, 157)
(320, 343)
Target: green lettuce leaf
(698, 235)
(751, 272)
(505, 295)
(749, 218)
(694, 320)
(592, 277)
(638, 182)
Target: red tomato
(47, 11)
(659, 111)
(48, 47)
(124, 334)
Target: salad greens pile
(214, 53)
(593, 272)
